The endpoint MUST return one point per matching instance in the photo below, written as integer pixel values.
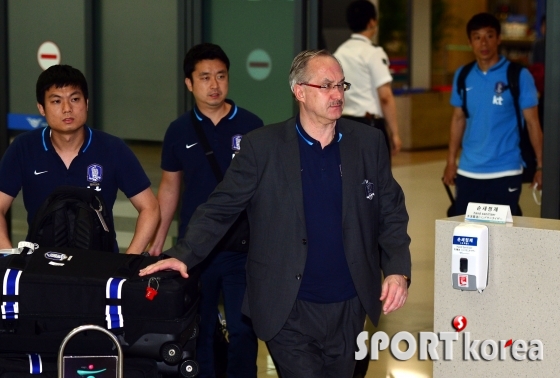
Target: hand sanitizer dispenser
(469, 260)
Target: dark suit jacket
(265, 178)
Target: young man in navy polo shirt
(184, 160)
(68, 152)
(490, 168)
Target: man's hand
(396, 144)
(167, 264)
(449, 174)
(537, 180)
(394, 292)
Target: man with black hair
(68, 152)
(366, 66)
(491, 166)
(185, 159)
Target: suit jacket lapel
(350, 162)
(290, 159)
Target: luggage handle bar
(85, 328)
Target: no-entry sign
(48, 55)
(259, 64)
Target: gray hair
(298, 71)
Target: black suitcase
(50, 292)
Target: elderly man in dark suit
(327, 220)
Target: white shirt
(366, 67)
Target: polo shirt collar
(310, 141)
(231, 114)
(47, 143)
(496, 66)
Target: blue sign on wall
(26, 121)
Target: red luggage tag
(151, 292)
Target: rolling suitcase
(49, 292)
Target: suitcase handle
(449, 193)
(86, 328)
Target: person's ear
(299, 93)
(41, 109)
(188, 83)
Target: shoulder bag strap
(461, 88)
(206, 146)
(513, 73)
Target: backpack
(73, 217)
(513, 72)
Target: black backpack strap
(461, 87)
(206, 146)
(513, 73)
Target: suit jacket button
(298, 277)
(304, 241)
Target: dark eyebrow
(208, 73)
(75, 93)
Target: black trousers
(378, 123)
(318, 340)
(500, 191)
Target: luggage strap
(10, 287)
(113, 305)
(35, 363)
(10, 299)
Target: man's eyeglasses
(327, 87)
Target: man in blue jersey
(185, 159)
(68, 152)
(490, 167)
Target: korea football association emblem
(95, 176)
(236, 143)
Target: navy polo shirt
(104, 163)
(326, 278)
(182, 151)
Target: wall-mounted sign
(18, 121)
(48, 55)
(259, 64)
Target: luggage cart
(60, 362)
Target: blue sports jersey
(182, 152)
(104, 163)
(491, 139)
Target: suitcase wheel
(188, 369)
(171, 353)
